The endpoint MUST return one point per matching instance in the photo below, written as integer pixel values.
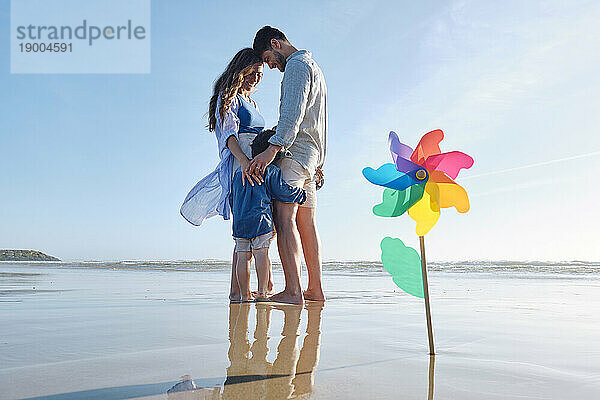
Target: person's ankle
(314, 289)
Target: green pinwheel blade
(396, 202)
(404, 264)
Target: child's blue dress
(251, 205)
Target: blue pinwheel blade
(388, 176)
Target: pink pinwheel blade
(451, 163)
(428, 146)
(401, 154)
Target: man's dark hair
(262, 40)
(261, 142)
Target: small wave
(355, 267)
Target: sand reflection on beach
(108, 331)
(250, 375)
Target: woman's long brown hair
(230, 81)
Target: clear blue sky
(96, 166)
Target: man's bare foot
(313, 295)
(287, 298)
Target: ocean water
(549, 267)
(138, 329)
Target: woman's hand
(246, 176)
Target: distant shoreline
(25, 255)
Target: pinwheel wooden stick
(426, 295)
(419, 182)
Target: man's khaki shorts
(297, 176)
(259, 242)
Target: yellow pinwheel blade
(426, 211)
(451, 194)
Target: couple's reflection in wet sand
(290, 376)
(250, 375)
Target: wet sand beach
(166, 331)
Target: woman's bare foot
(313, 295)
(287, 298)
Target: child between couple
(253, 222)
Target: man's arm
(294, 97)
(259, 163)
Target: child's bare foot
(247, 298)
(261, 297)
(269, 292)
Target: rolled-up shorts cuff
(297, 176)
(259, 242)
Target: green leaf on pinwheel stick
(396, 202)
(404, 264)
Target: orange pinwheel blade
(450, 193)
(426, 211)
(428, 145)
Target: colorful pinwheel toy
(420, 182)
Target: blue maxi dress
(210, 196)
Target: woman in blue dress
(236, 120)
